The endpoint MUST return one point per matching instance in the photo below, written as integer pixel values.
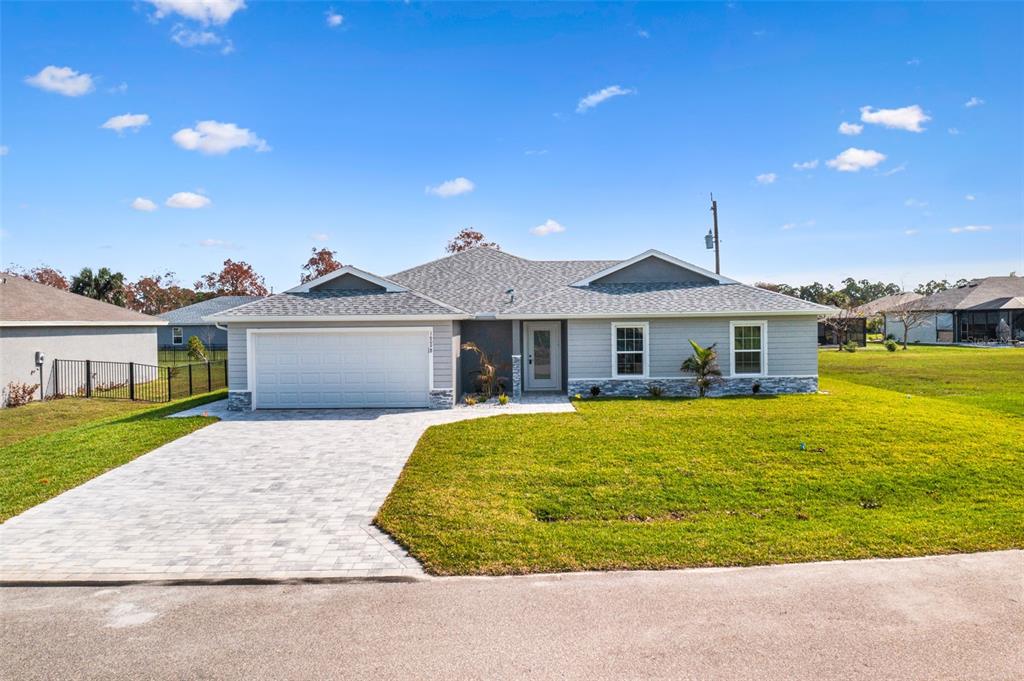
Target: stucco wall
(792, 345)
(444, 352)
(208, 333)
(18, 346)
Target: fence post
(209, 378)
(56, 378)
(169, 369)
(131, 381)
(190, 379)
(88, 378)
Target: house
(968, 314)
(187, 321)
(861, 316)
(40, 323)
(356, 339)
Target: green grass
(992, 378)
(53, 460)
(40, 418)
(653, 484)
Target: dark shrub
(595, 390)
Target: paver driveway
(274, 494)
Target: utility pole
(714, 213)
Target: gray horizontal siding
(444, 353)
(792, 345)
(207, 333)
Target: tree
(911, 317)
(44, 274)
(841, 322)
(103, 285)
(196, 349)
(467, 239)
(320, 263)
(941, 285)
(703, 363)
(853, 292)
(235, 279)
(158, 293)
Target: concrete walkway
(260, 495)
(950, 617)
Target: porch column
(517, 377)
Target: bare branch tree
(911, 317)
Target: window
(176, 335)
(748, 348)
(629, 350)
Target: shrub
(755, 387)
(595, 390)
(19, 394)
(704, 364)
(196, 349)
(655, 390)
(470, 400)
(891, 345)
(503, 399)
(850, 346)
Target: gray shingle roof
(476, 280)
(339, 303)
(663, 299)
(193, 314)
(991, 293)
(25, 302)
(885, 303)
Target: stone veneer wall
(517, 376)
(685, 387)
(442, 399)
(239, 400)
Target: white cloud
(603, 95)
(953, 131)
(914, 62)
(145, 205)
(759, 33)
(63, 80)
(905, 118)
(334, 19)
(806, 165)
(853, 160)
(536, 152)
(970, 228)
(212, 137)
(973, 102)
(766, 178)
(793, 225)
(4, 150)
(215, 243)
(892, 171)
(969, 197)
(915, 203)
(549, 227)
(911, 232)
(320, 236)
(187, 200)
(126, 121)
(203, 11)
(460, 185)
(118, 89)
(850, 128)
(641, 33)
(186, 37)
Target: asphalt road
(945, 617)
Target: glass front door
(543, 358)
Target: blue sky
(309, 124)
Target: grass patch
(40, 418)
(990, 378)
(53, 461)
(651, 484)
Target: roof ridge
(455, 255)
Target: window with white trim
(748, 348)
(176, 335)
(629, 349)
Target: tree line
(854, 292)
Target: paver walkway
(261, 495)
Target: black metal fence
(177, 354)
(133, 381)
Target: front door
(543, 356)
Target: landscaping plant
(487, 374)
(703, 363)
(196, 349)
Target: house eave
(68, 323)
(277, 319)
(654, 315)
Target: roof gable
(26, 303)
(348, 278)
(652, 267)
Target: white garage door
(331, 369)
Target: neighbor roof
(990, 293)
(193, 314)
(886, 303)
(339, 303)
(26, 303)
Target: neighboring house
(857, 325)
(187, 321)
(355, 339)
(968, 314)
(40, 322)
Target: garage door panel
(341, 369)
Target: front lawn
(74, 440)
(859, 472)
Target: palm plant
(487, 374)
(703, 363)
